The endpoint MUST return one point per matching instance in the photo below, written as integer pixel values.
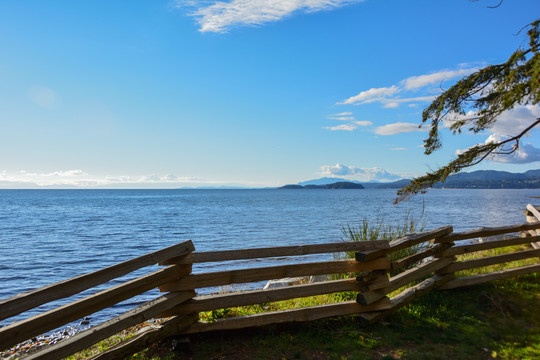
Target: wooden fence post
(533, 215)
(372, 286)
(443, 253)
(373, 282)
(379, 288)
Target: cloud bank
(220, 16)
(78, 179)
(360, 174)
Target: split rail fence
(368, 275)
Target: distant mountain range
(481, 179)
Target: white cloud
(391, 105)
(509, 124)
(453, 117)
(338, 170)
(371, 95)
(341, 118)
(389, 96)
(414, 99)
(350, 125)
(398, 128)
(81, 179)
(415, 82)
(514, 121)
(61, 177)
(394, 102)
(161, 179)
(525, 154)
(220, 16)
(363, 123)
(397, 149)
(343, 127)
(360, 174)
(67, 173)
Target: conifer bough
(475, 103)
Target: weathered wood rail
(533, 214)
(368, 276)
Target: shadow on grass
(495, 321)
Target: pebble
(38, 342)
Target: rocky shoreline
(32, 345)
(41, 341)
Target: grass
(498, 320)
(494, 321)
(380, 230)
(497, 267)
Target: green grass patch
(494, 321)
(499, 320)
(497, 267)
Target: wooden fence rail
(259, 253)
(533, 214)
(31, 299)
(381, 286)
(17, 332)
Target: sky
(254, 93)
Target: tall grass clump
(381, 230)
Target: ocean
(51, 235)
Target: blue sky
(167, 94)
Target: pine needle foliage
(475, 103)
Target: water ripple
(48, 236)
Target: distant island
(336, 185)
(481, 179)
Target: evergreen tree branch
(476, 102)
(468, 158)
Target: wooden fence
(367, 275)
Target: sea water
(51, 235)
